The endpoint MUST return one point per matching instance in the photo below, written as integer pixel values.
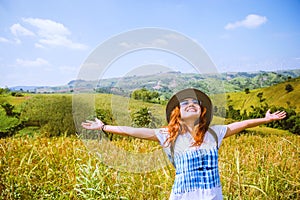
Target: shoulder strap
(214, 134)
(172, 146)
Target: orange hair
(177, 126)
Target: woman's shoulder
(218, 131)
(162, 134)
(163, 130)
(218, 127)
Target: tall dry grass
(251, 167)
(256, 167)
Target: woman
(191, 145)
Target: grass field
(252, 166)
(262, 163)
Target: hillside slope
(276, 95)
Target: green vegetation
(275, 95)
(255, 103)
(10, 120)
(41, 158)
(146, 95)
(169, 82)
(144, 118)
(52, 113)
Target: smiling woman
(190, 144)
(189, 109)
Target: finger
(277, 112)
(281, 113)
(86, 124)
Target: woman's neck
(190, 124)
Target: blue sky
(46, 42)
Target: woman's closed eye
(187, 102)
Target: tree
(8, 109)
(145, 95)
(4, 90)
(10, 120)
(294, 122)
(17, 94)
(289, 88)
(247, 90)
(260, 96)
(144, 118)
(232, 113)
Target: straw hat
(190, 93)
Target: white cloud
(38, 45)
(60, 40)
(47, 27)
(251, 21)
(32, 63)
(2, 39)
(16, 40)
(52, 33)
(18, 30)
(68, 69)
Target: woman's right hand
(93, 125)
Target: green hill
(276, 95)
(174, 81)
(166, 83)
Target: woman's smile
(190, 109)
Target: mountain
(174, 81)
(23, 88)
(169, 82)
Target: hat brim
(190, 93)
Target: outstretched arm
(142, 133)
(237, 127)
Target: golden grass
(259, 167)
(251, 167)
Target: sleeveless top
(197, 174)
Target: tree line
(52, 114)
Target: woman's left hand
(278, 115)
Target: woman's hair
(177, 126)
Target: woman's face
(190, 109)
